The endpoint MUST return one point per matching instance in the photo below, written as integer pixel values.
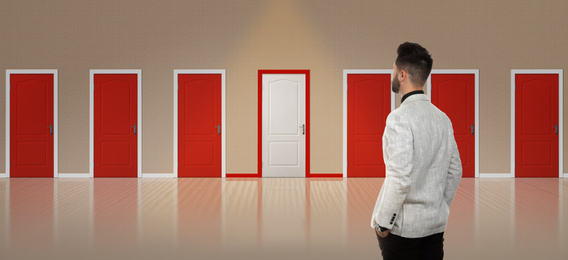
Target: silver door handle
(51, 129)
(472, 129)
(556, 129)
(134, 128)
(218, 129)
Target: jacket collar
(415, 97)
(410, 94)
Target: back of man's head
(415, 60)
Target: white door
(283, 125)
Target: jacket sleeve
(454, 172)
(398, 153)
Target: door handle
(556, 129)
(472, 129)
(51, 129)
(218, 129)
(134, 128)
(304, 129)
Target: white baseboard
(565, 175)
(158, 175)
(496, 175)
(3, 175)
(74, 175)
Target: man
(423, 167)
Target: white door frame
(138, 72)
(477, 132)
(223, 115)
(345, 73)
(55, 119)
(560, 117)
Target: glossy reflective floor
(264, 219)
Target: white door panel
(283, 122)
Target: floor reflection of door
(463, 218)
(529, 208)
(361, 197)
(115, 213)
(31, 213)
(199, 213)
(284, 213)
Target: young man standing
(423, 167)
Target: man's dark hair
(415, 60)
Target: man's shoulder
(396, 114)
(416, 111)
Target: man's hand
(379, 233)
(382, 234)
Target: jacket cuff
(390, 224)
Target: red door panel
(536, 121)
(454, 94)
(199, 125)
(31, 125)
(368, 105)
(115, 125)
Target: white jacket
(423, 170)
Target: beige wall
(244, 36)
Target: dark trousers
(396, 247)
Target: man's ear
(403, 74)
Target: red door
(115, 151)
(454, 94)
(368, 105)
(536, 125)
(199, 125)
(31, 125)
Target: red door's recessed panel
(368, 105)
(199, 125)
(454, 94)
(536, 125)
(31, 125)
(115, 151)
